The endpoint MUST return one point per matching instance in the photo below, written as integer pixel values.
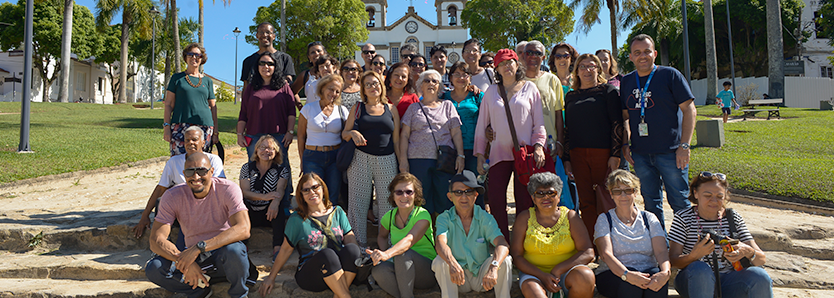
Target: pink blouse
(525, 106)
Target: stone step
(822, 249)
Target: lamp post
(25, 104)
(730, 36)
(154, 14)
(236, 32)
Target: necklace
(200, 82)
(628, 218)
(700, 228)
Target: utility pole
(25, 101)
(730, 35)
(775, 48)
(236, 32)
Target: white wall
(800, 92)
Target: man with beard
(215, 221)
(283, 61)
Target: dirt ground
(125, 189)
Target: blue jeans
(279, 137)
(654, 169)
(613, 286)
(229, 262)
(697, 280)
(435, 184)
(324, 165)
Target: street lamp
(154, 14)
(25, 105)
(236, 32)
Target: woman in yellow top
(550, 246)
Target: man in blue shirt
(660, 119)
(464, 236)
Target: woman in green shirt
(410, 230)
(190, 101)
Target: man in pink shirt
(213, 218)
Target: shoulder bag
(523, 162)
(446, 155)
(346, 151)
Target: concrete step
(821, 249)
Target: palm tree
(200, 16)
(712, 60)
(66, 52)
(590, 16)
(658, 18)
(135, 19)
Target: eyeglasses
(408, 57)
(311, 188)
(194, 55)
(587, 67)
(720, 176)
(368, 52)
(406, 192)
(627, 191)
(431, 81)
(190, 171)
(561, 56)
(373, 84)
(350, 69)
(643, 53)
(417, 64)
(534, 53)
(469, 192)
(377, 63)
(542, 194)
(485, 63)
(460, 75)
(471, 51)
(266, 63)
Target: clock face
(411, 26)
(454, 57)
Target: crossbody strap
(391, 221)
(645, 222)
(731, 222)
(429, 124)
(503, 94)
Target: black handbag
(446, 155)
(345, 155)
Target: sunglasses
(561, 56)
(314, 43)
(377, 63)
(534, 53)
(544, 194)
(468, 192)
(627, 191)
(485, 63)
(194, 55)
(368, 52)
(311, 188)
(417, 64)
(408, 57)
(190, 171)
(720, 176)
(350, 69)
(406, 192)
(266, 63)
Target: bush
(224, 94)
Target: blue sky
(221, 20)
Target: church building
(388, 38)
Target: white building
(387, 37)
(816, 50)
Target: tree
(47, 20)
(66, 53)
(135, 19)
(338, 24)
(503, 23)
(200, 17)
(709, 45)
(175, 27)
(590, 16)
(661, 19)
(224, 93)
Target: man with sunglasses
(553, 99)
(283, 61)
(464, 261)
(407, 52)
(659, 116)
(172, 175)
(368, 53)
(212, 215)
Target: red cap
(503, 55)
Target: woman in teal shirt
(410, 230)
(190, 101)
(467, 104)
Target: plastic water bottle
(551, 144)
(482, 178)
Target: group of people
(420, 136)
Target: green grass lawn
(790, 157)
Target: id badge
(643, 128)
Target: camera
(712, 235)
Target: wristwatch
(164, 124)
(201, 246)
(625, 274)
(685, 146)
(495, 263)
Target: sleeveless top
(547, 247)
(377, 130)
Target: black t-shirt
(283, 64)
(594, 119)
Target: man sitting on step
(172, 175)
(214, 219)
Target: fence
(800, 92)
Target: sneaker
(207, 293)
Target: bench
(771, 106)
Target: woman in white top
(323, 66)
(631, 245)
(319, 134)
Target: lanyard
(643, 94)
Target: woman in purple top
(425, 126)
(608, 67)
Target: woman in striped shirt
(693, 253)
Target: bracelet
(240, 134)
(754, 256)
(462, 156)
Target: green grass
(793, 157)
(69, 137)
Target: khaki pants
(473, 283)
